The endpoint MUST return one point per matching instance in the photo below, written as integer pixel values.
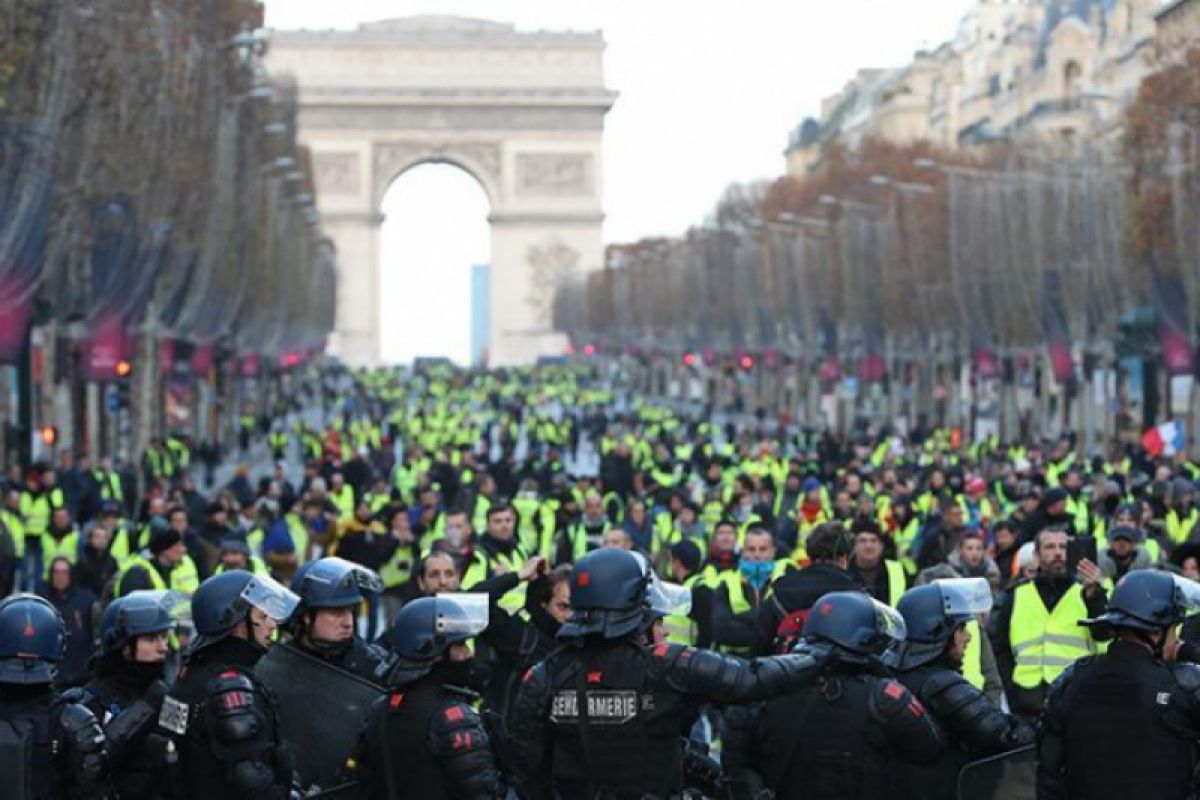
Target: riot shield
(1008, 776)
(322, 710)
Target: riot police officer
(331, 591)
(128, 686)
(220, 717)
(936, 618)
(1127, 723)
(424, 740)
(50, 749)
(603, 715)
(843, 736)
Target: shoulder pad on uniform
(453, 716)
(891, 699)
(76, 696)
(231, 680)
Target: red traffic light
(49, 434)
(689, 359)
(746, 362)
(123, 369)
(589, 350)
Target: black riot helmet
(140, 613)
(426, 628)
(1148, 600)
(223, 602)
(608, 596)
(861, 629)
(933, 612)
(32, 636)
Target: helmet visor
(669, 598)
(1187, 593)
(365, 579)
(965, 596)
(144, 609)
(462, 614)
(888, 623)
(268, 596)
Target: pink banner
(248, 365)
(109, 350)
(202, 360)
(15, 316)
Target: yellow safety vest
(681, 628)
(16, 529)
(1044, 643)
(110, 485)
(1180, 528)
(121, 545)
(398, 569)
(184, 577)
(343, 500)
(36, 510)
(67, 547)
(896, 581)
(972, 668)
(513, 601)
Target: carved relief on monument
(336, 173)
(550, 264)
(555, 174)
(480, 158)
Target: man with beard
(1037, 633)
(128, 688)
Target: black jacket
(607, 715)
(842, 737)
(425, 741)
(974, 726)
(75, 605)
(223, 722)
(1123, 724)
(798, 590)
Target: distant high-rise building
(480, 316)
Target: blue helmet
(425, 629)
(1148, 600)
(223, 602)
(860, 628)
(335, 583)
(139, 613)
(31, 640)
(608, 596)
(934, 611)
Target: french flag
(1164, 440)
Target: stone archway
(521, 112)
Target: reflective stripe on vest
(972, 668)
(896, 581)
(1044, 643)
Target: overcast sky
(708, 90)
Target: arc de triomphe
(523, 112)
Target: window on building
(1072, 76)
(994, 85)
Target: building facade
(1017, 69)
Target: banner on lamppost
(109, 345)
(16, 314)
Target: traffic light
(689, 359)
(123, 368)
(746, 362)
(49, 435)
